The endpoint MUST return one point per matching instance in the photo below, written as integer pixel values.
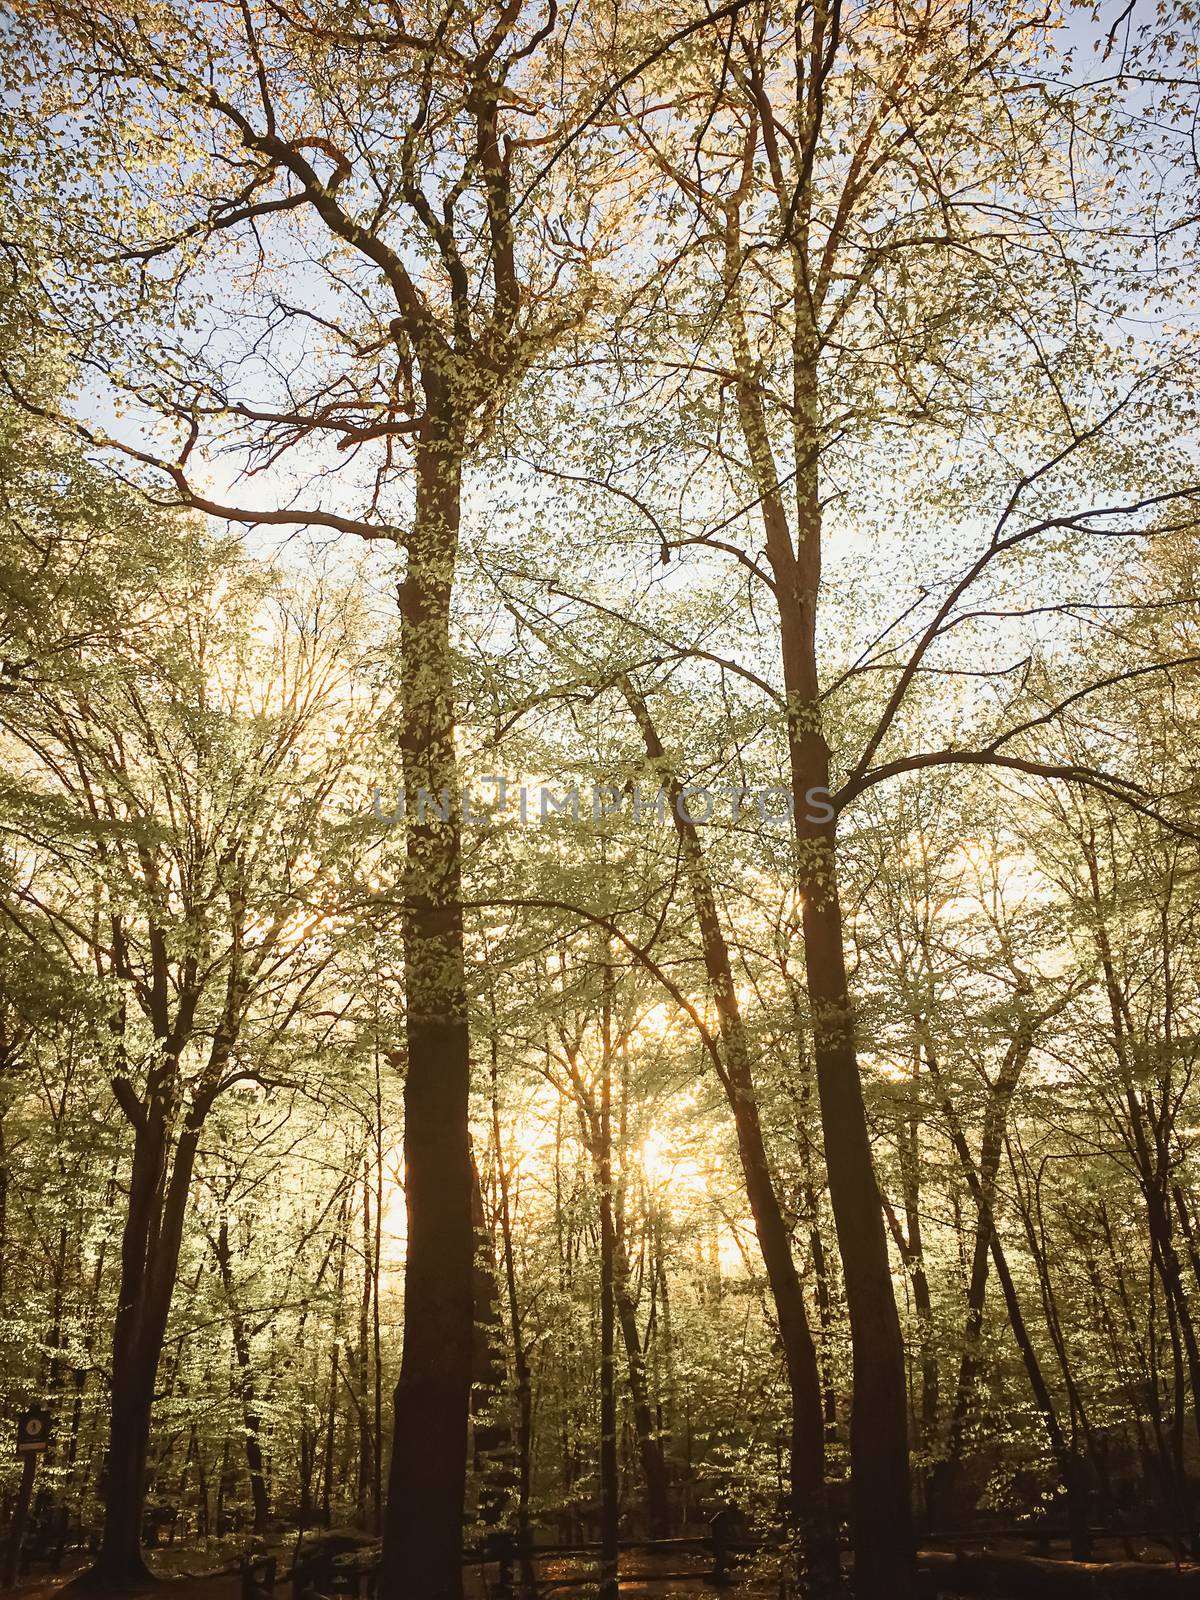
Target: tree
(180, 786)
(405, 157)
(855, 230)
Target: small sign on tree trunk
(33, 1432)
(33, 1436)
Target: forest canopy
(599, 944)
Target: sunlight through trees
(598, 851)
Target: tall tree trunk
(4, 1182)
(422, 1537)
(663, 1346)
(376, 1341)
(1172, 1471)
(120, 1561)
(910, 1164)
(362, 1361)
(650, 1451)
(809, 1512)
(881, 1500)
(881, 1508)
(908, 1242)
(1027, 1197)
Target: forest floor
(178, 1578)
(227, 1586)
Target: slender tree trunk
(654, 1474)
(650, 1452)
(422, 1538)
(78, 1463)
(1029, 1207)
(910, 1247)
(1070, 1467)
(816, 1241)
(649, 1448)
(4, 1182)
(492, 1430)
(567, 1438)
(1170, 1468)
(1148, 1142)
(995, 1126)
(366, 1444)
(335, 1364)
(915, 1261)
(610, 1488)
(250, 1414)
(521, 1372)
(909, 1242)
(946, 1475)
(664, 1348)
(376, 1342)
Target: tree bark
(422, 1539)
(149, 1261)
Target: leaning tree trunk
(1071, 1468)
(422, 1538)
(808, 1508)
(945, 1478)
